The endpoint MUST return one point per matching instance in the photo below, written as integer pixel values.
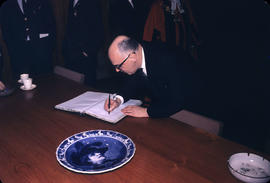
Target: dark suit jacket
(126, 20)
(84, 31)
(34, 56)
(172, 81)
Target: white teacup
(24, 77)
(27, 83)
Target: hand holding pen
(111, 103)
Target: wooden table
(167, 151)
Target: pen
(109, 103)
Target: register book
(92, 103)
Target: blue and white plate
(95, 151)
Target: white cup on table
(27, 83)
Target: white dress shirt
(20, 5)
(143, 63)
(75, 2)
(131, 3)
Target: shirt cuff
(121, 98)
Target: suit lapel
(73, 8)
(148, 59)
(76, 5)
(153, 60)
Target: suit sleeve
(175, 88)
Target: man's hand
(114, 103)
(135, 111)
(2, 86)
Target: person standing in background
(28, 29)
(172, 22)
(127, 17)
(6, 88)
(83, 38)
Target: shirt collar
(75, 2)
(131, 3)
(20, 5)
(143, 66)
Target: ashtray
(249, 168)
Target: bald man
(163, 75)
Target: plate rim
(94, 172)
(234, 170)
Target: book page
(98, 111)
(92, 103)
(82, 102)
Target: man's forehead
(114, 56)
(113, 48)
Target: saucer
(32, 87)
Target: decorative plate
(249, 167)
(95, 151)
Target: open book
(92, 103)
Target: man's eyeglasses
(120, 65)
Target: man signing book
(165, 76)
